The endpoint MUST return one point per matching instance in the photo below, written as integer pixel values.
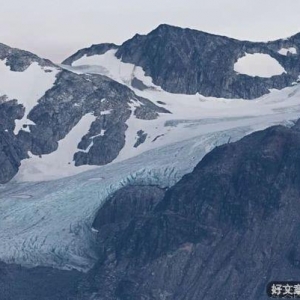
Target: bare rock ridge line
(178, 60)
(60, 109)
(188, 61)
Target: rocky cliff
(59, 109)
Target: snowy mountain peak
(188, 61)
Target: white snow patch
(97, 179)
(88, 148)
(92, 142)
(106, 112)
(27, 87)
(60, 163)
(25, 126)
(108, 64)
(261, 65)
(100, 134)
(286, 51)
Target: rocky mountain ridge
(188, 61)
(60, 109)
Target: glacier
(50, 223)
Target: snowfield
(261, 65)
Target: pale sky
(55, 29)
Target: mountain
(108, 103)
(102, 195)
(188, 61)
(41, 103)
(222, 232)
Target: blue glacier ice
(50, 223)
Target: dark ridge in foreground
(222, 232)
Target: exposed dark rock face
(138, 84)
(128, 203)
(93, 50)
(19, 60)
(223, 232)
(189, 61)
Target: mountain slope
(112, 104)
(19, 60)
(189, 61)
(40, 104)
(222, 232)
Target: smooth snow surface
(285, 51)
(261, 65)
(27, 87)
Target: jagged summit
(89, 51)
(169, 29)
(188, 61)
